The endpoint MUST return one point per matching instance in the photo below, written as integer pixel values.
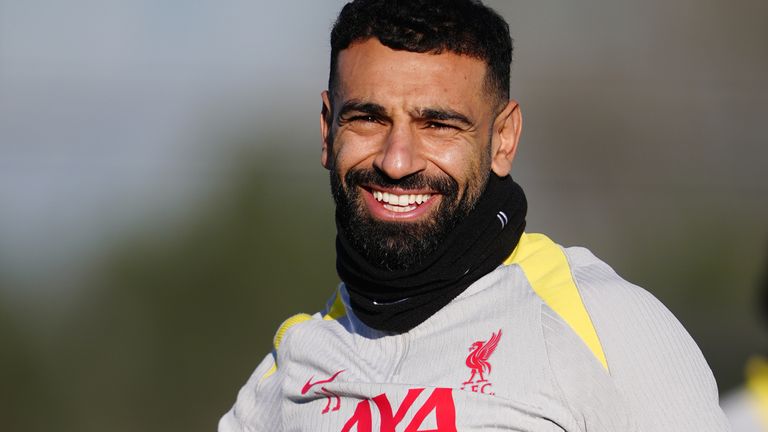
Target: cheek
(464, 161)
(354, 151)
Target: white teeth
(399, 209)
(400, 203)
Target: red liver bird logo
(477, 360)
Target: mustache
(417, 181)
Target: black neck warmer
(397, 301)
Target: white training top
(553, 340)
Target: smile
(400, 203)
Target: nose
(400, 155)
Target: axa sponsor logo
(439, 408)
(329, 395)
(480, 366)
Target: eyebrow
(369, 108)
(445, 114)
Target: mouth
(399, 204)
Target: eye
(360, 120)
(364, 118)
(439, 125)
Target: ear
(326, 115)
(506, 134)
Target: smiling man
(449, 317)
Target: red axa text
(440, 402)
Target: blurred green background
(163, 209)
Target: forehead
(369, 70)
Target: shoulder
(625, 314)
(611, 300)
(262, 394)
(650, 355)
(549, 272)
(629, 320)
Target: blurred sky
(107, 107)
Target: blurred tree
(173, 322)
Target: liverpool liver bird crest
(477, 360)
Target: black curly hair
(465, 27)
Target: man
(450, 317)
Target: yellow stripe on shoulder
(335, 311)
(278, 339)
(546, 267)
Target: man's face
(410, 141)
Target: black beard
(397, 245)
